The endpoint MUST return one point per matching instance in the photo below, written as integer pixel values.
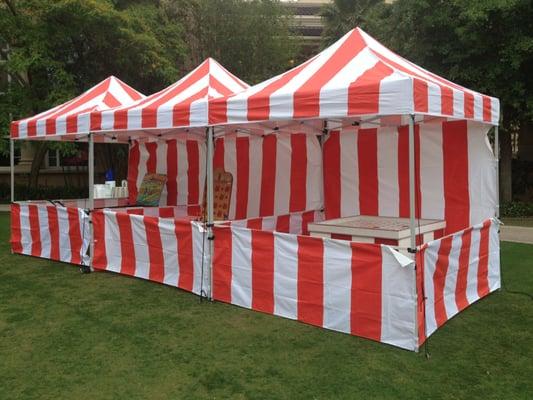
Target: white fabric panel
(112, 245)
(143, 158)
(201, 268)
(451, 277)
(434, 99)
(286, 275)
(388, 190)
(199, 112)
(142, 257)
(473, 259)
(431, 171)
(398, 301)
(230, 165)
(65, 252)
(254, 182)
(494, 276)
(170, 251)
(25, 232)
(44, 231)
(283, 182)
(41, 127)
(396, 95)
(458, 103)
(183, 180)
(337, 285)
(349, 173)
(482, 174)
(478, 106)
(241, 267)
(161, 167)
(430, 262)
(495, 111)
(315, 181)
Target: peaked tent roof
(355, 77)
(182, 104)
(74, 116)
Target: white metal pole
(210, 216)
(412, 215)
(12, 167)
(412, 191)
(91, 171)
(497, 156)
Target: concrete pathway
(518, 234)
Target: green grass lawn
(104, 336)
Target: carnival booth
(60, 229)
(356, 192)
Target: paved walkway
(519, 234)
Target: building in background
(307, 24)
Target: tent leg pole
(91, 203)
(412, 222)
(497, 156)
(412, 213)
(91, 172)
(210, 216)
(12, 168)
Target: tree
(340, 16)
(250, 38)
(58, 49)
(484, 45)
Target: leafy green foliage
(57, 49)
(250, 38)
(516, 209)
(484, 45)
(340, 16)
(42, 192)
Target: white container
(111, 183)
(120, 192)
(102, 191)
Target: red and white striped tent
(395, 141)
(184, 104)
(76, 117)
(356, 76)
(157, 146)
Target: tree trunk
(36, 163)
(506, 157)
(525, 141)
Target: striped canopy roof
(355, 77)
(75, 116)
(182, 104)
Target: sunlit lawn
(105, 336)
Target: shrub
(22, 192)
(516, 209)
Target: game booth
(356, 192)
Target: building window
(54, 159)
